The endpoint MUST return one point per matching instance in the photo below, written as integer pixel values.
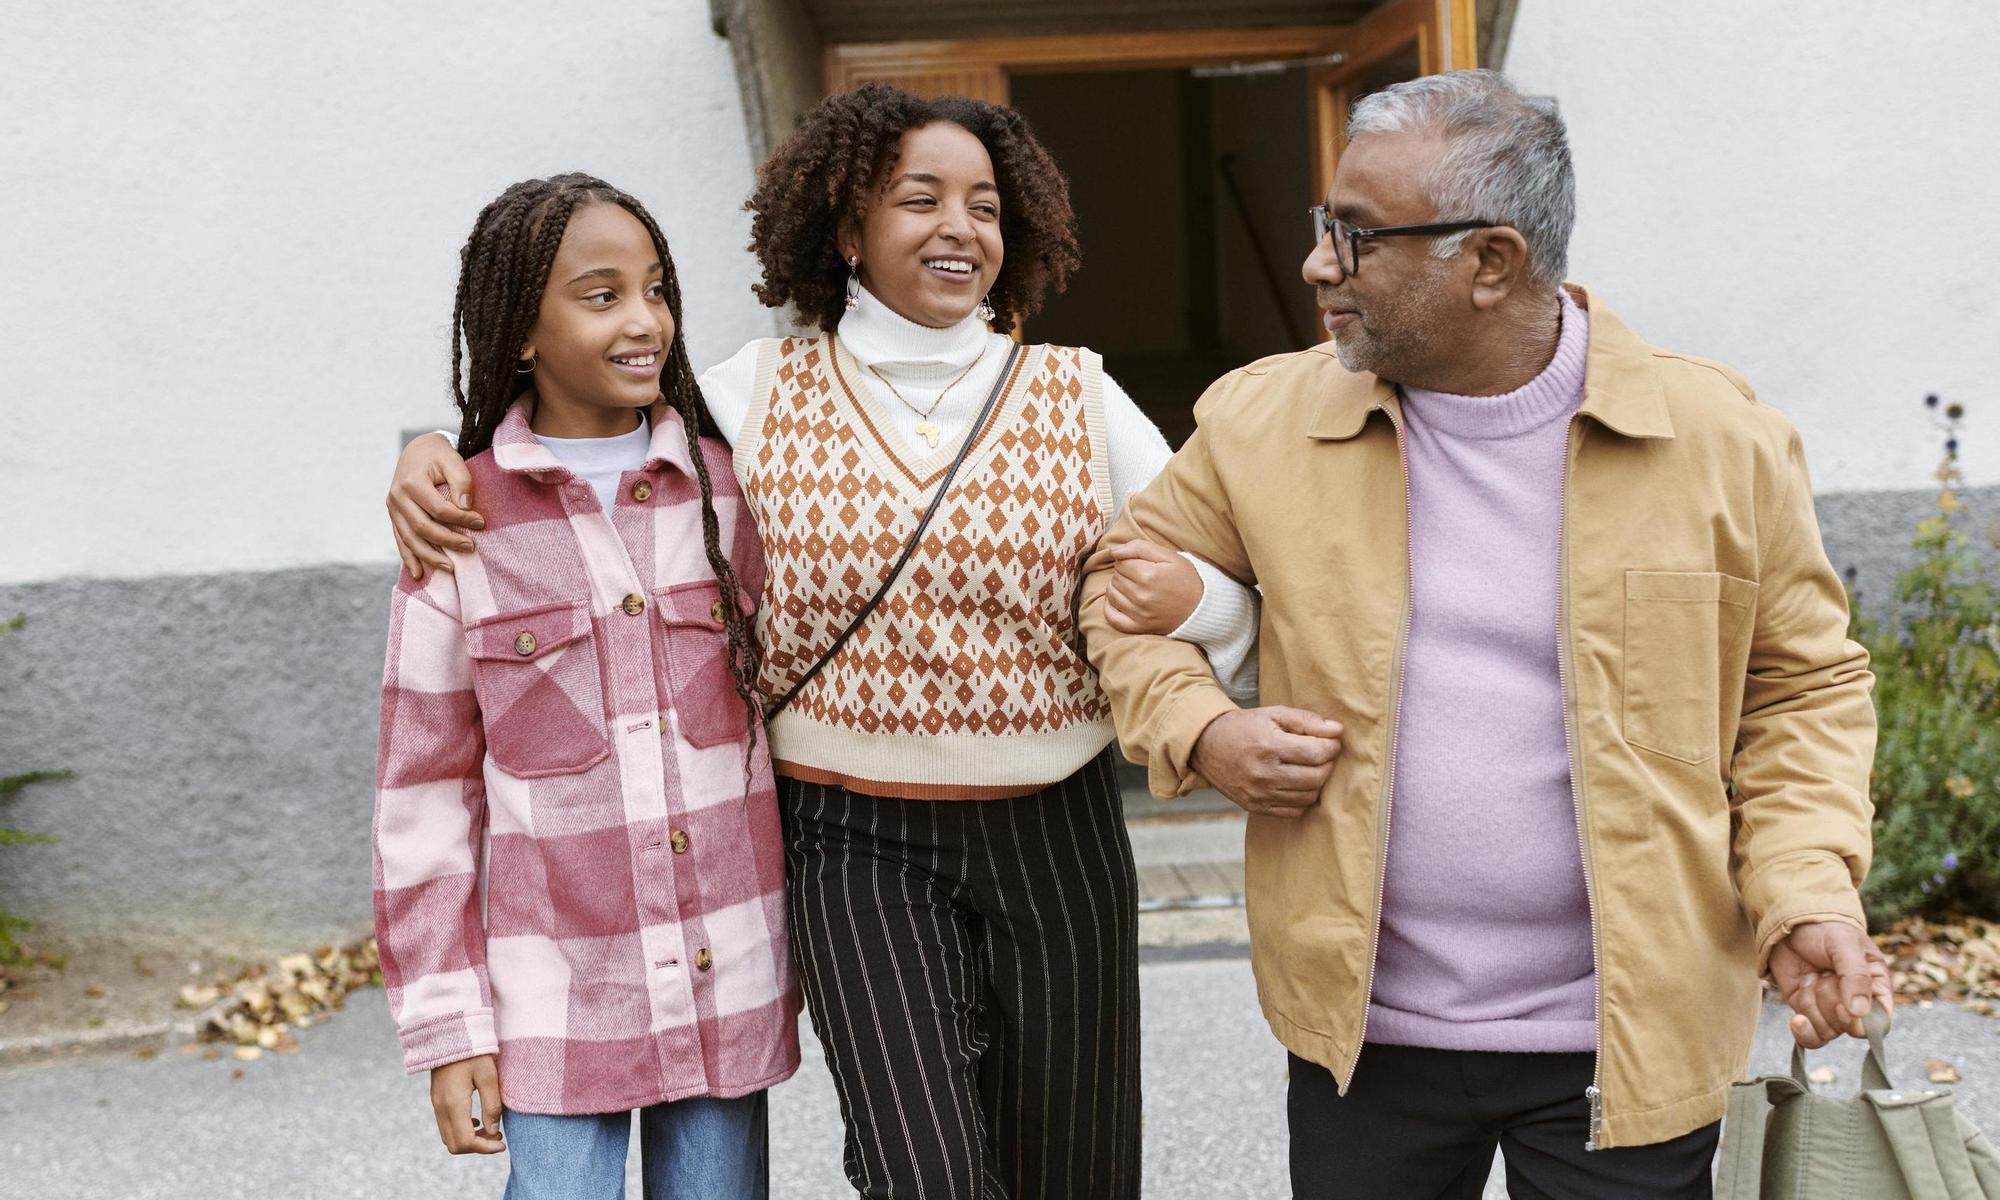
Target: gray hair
(1506, 158)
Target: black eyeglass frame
(1324, 223)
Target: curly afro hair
(831, 167)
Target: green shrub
(1937, 694)
(11, 951)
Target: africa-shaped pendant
(928, 432)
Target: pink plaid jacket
(568, 872)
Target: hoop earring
(985, 310)
(854, 283)
(530, 368)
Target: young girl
(962, 894)
(578, 873)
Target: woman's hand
(430, 499)
(452, 1086)
(1154, 590)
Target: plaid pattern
(568, 871)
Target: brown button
(642, 491)
(679, 841)
(634, 604)
(525, 644)
(715, 612)
(703, 960)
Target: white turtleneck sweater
(922, 362)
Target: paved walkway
(341, 1120)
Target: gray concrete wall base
(1870, 532)
(222, 729)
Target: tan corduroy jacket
(1719, 722)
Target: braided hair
(832, 168)
(503, 270)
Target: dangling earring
(531, 360)
(985, 310)
(854, 283)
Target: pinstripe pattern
(971, 968)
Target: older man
(1604, 743)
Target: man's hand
(1828, 971)
(1154, 591)
(1269, 761)
(452, 1086)
(430, 494)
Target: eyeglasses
(1347, 239)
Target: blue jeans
(695, 1149)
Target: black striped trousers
(971, 967)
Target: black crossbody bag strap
(909, 547)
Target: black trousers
(971, 968)
(1423, 1125)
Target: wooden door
(1400, 40)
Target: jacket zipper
(1592, 1095)
(1389, 765)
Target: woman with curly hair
(961, 889)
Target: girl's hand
(431, 494)
(1154, 590)
(452, 1086)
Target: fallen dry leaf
(1938, 1070)
(1955, 959)
(197, 996)
(257, 1007)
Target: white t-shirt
(600, 462)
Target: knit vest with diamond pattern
(966, 681)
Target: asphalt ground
(340, 1119)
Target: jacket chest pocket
(1682, 629)
(706, 706)
(540, 690)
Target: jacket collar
(1621, 387)
(515, 448)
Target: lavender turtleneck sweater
(1485, 924)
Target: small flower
(1954, 411)
(1950, 862)
(1961, 788)
(1925, 886)
(1951, 446)
(1931, 401)
(1938, 879)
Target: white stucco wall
(229, 234)
(1804, 192)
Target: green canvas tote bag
(1780, 1141)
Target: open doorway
(1191, 191)
(1193, 155)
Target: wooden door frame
(1444, 32)
(850, 64)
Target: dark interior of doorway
(1191, 197)
(1191, 194)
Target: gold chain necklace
(929, 432)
